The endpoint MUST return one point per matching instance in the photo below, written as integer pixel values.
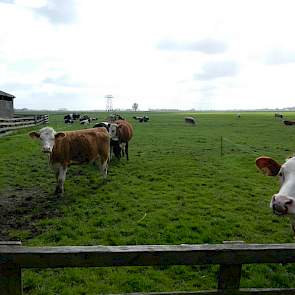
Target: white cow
(283, 202)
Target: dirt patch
(20, 209)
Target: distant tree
(135, 107)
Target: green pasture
(177, 188)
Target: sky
(161, 54)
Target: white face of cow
(47, 135)
(283, 202)
(113, 131)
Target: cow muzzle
(279, 209)
(46, 150)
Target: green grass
(175, 189)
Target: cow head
(283, 202)
(113, 131)
(47, 135)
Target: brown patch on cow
(21, 209)
(268, 166)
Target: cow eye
(280, 174)
(289, 202)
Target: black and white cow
(68, 119)
(190, 120)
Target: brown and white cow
(74, 147)
(124, 133)
(283, 202)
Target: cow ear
(268, 166)
(34, 134)
(59, 135)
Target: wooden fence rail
(230, 257)
(22, 122)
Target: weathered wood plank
(229, 276)
(12, 124)
(12, 243)
(97, 256)
(227, 292)
(10, 279)
(17, 119)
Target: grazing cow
(68, 119)
(190, 120)
(238, 115)
(283, 202)
(114, 117)
(277, 115)
(74, 147)
(76, 116)
(124, 133)
(141, 119)
(289, 123)
(84, 122)
(84, 117)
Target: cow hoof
(58, 191)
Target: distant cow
(238, 115)
(287, 122)
(74, 147)
(141, 118)
(76, 116)
(190, 120)
(277, 115)
(124, 133)
(68, 119)
(84, 117)
(114, 117)
(85, 120)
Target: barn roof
(7, 95)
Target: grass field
(175, 189)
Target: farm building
(6, 105)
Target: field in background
(176, 189)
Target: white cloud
(218, 69)
(209, 46)
(174, 54)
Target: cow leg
(61, 176)
(122, 148)
(126, 151)
(103, 167)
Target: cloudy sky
(182, 54)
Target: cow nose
(46, 150)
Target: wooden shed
(6, 105)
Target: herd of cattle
(96, 144)
(105, 139)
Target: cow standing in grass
(74, 147)
(124, 134)
(283, 202)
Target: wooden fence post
(10, 275)
(230, 275)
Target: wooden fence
(230, 257)
(23, 121)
